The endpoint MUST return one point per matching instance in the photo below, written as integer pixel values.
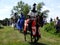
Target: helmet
(34, 4)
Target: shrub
(49, 27)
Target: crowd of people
(56, 23)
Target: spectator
(57, 25)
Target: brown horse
(38, 23)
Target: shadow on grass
(32, 43)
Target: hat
(34, 4)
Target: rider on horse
(33, 24)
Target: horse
(33, 27)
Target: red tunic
(34, 28)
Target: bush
(49, 27)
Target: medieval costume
(32, 15)
(20, 22)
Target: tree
(26, 9)
(21, 7)
(6, 22)
(45, 13)
(39, 7)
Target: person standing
(57, 25)
(20, 22)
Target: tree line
(25, 8)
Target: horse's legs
(35, 40)
(25, 33)
(38, 35)
(31, 35)
(25, 37)
(30, 29)
(14, 26)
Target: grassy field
(9, 36)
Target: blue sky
(52, 5)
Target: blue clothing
(20, 23)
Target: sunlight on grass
(9, 36)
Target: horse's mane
(40, 20)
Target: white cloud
(45, 8)
(5, 12)
(53, 13)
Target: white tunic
(32, 14)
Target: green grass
(9, 36)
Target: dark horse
(33, 23)
(39, 23)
